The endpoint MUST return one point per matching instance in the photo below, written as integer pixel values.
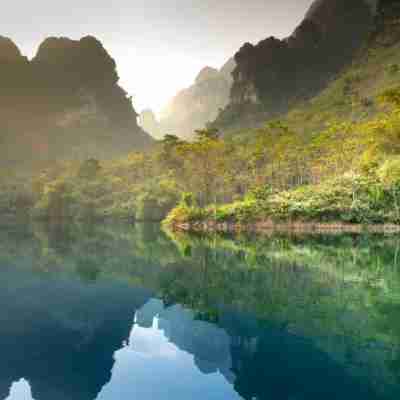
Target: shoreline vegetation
(345, 179)
(353, 203)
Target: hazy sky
(159, 45)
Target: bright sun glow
(154, 79)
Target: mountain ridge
(274, 74)
(193, 107)
(65, 100)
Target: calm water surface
(113, 312)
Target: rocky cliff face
(9, 52)
(274, 73)
(194, 107)
(64, 103)
(387, 23)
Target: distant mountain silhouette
(148, 121)
(192, 108)
(64, 103)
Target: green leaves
(391, 97)
(351, 198)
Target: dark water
(113, 312)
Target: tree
(168, 154)
(207, 134)
(391, 96)
(389, 174)
(204, 165)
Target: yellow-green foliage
(389, 172)
(114, 189)
(350, 198)
(352, 95)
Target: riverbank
(269, 226)
(348, 203)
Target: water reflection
(20, 390)
(111, 312)
(152, 366)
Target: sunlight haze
(159, 46)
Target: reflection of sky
(150, 367)
(20, 390)
(168, 355)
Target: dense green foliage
(126, 188)
(349, 198)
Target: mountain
(64, 103)
(149, 122)
(274, 74)
(194, 107)
(352, 94)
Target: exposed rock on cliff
(274, 73)
(194, 107)
(65, 103)
(323, 43)
(387, 23)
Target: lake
(115, 311)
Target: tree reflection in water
(95, 311)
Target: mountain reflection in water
(114, 312)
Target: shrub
(393, 69)
(152, 207)
(89, 169)
(389, 172)
(187, 199)
(183, 214)
(260, 193)
(350, 198)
